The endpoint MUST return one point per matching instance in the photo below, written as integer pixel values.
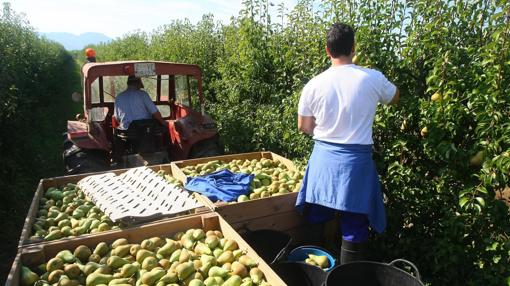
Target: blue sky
(117, 17)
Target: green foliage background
(37, 78)
(441, 209)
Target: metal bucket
(369, 273)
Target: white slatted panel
(136, 195)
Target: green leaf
(481, 201)
(496, 35)
(483, 190)
(463, 201)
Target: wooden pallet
(37, 254)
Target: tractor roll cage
(93, 71)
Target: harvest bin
(276, 212)
(44, 184)
(37, 254)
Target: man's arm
(306, 124)
(388, 92)
(153, 110)
(157, 115)
(396, 97)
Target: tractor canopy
(164, 81)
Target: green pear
(28, 278)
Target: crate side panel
(239, 212)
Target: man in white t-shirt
(337, 107)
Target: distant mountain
(73, 42)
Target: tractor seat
(142, 136)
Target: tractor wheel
(77, 160)
(206, 148)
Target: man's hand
(306, 124)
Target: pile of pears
(169, 178)
(191, 258)
(272, 177)
(67, 212)
(321, 261)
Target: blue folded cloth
(221, 185)
(343, 177)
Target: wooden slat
(239, 212)
(225, 158)
(32, 214)
(205, 201)
(288, 163)
(14, 275)
(177, 172)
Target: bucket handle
(415, 269)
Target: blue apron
(343, 177)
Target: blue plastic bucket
(299, 254)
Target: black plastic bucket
(369, 273)
(270, 245)
(300, 274)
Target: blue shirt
(133, 104)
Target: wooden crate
(60, 181)
(274, 202)
(276, 212)
(35, 255)
(177, 165)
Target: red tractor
(92, 143)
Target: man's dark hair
(340, 40)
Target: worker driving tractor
(135, 114)
(337, 107)
(135, 104)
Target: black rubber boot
(352, 251)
